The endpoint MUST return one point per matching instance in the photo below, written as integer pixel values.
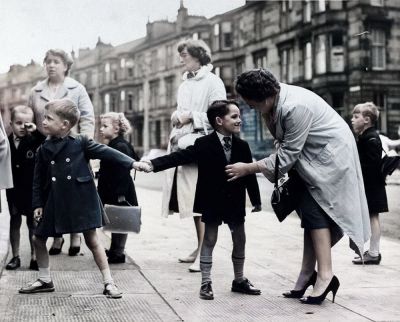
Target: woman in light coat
(317, 143)
(6, 180)
(200, 87)
(58, 85)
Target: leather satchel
(123, 219)
(287, 193)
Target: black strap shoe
(14, 263)
(54, 250)
(37, 286)
(206, 291)
(244, 287)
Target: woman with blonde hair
(115, 186)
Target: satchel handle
(276, 171)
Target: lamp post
(145, 69)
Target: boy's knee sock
(44, 274)
(374, 245)
(238, 264)
(205, 267)
(107, 276)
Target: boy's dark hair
(257, 84)
(219, 109)
(21, 109)
(65, 109)
(197, 49)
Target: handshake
(145, 166)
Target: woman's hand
(240, 169)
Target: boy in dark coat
(65, 199)
(217, 199)
(24, 141)
(369, 147)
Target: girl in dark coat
(369, 147)
(115, 184)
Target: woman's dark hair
(257, 84)
(219, 109)
(197, 49)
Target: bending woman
(317, 143)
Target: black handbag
(389, 164)
(287, 193)
(123, 219)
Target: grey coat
(319, 144)
(75, 91)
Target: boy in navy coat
(24, 141)
(217, 199)
(65, 199)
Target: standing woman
(318, 144)
(58, 85)
(6, 180)
(200, 87)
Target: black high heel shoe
(74, 250)
(55, 251)
(333, 286)
(296, 294)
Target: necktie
(227, 143)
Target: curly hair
(257, 84)
(63, 55)
(120, 120)
(197, 49)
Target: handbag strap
(276, 171)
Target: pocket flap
(84, 179)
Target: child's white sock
(44, 274)
(107, 276)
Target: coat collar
(53, 148)
(44, 90)
(200, 73)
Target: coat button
(52, 162)
(67, 159)
(17, 165)
(69, 177)
(53, 179)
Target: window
(258, 24)
(122, 63)
(307, 11)
(377, 3)
(308, 61)
(122, 96)
(217, 71)
(195, 36)
(154, 94)
(154, 61)
(226, 35)
(287, 65)
(130, 102)
(240, 66)
(287, 5)
(378, 48)
(337, 52)
(260, 58)
(169, 91)
(169, 56)
(130, 67)
(321, 6)
(106, 103)
(320, 67)
(216, 37)
(113, 102)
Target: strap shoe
(206, 291)
(14, 263)
(244, 287)
(37, 286)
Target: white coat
(319, 144)
(75, 91)
(194, 95)
(6, 180)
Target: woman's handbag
(123, 219)
(188, 139)
(287, 193)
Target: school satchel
(287, 193)
(389, 164)
(123, 219)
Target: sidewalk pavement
(158, 288)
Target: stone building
(345, 51)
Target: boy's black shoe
(206, 292)
(14, 263)
(33, 265)
(244, 287)
(116, 259)
(37, 286)
(368, 259)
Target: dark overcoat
(63, 184)
(369, 147)
(23, 163)
(216, 199)
(115, 181)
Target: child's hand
(145, 166)
(30, 127)
(257, 208)
(37, 214)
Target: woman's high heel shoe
(333, 286)
(296, 294)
